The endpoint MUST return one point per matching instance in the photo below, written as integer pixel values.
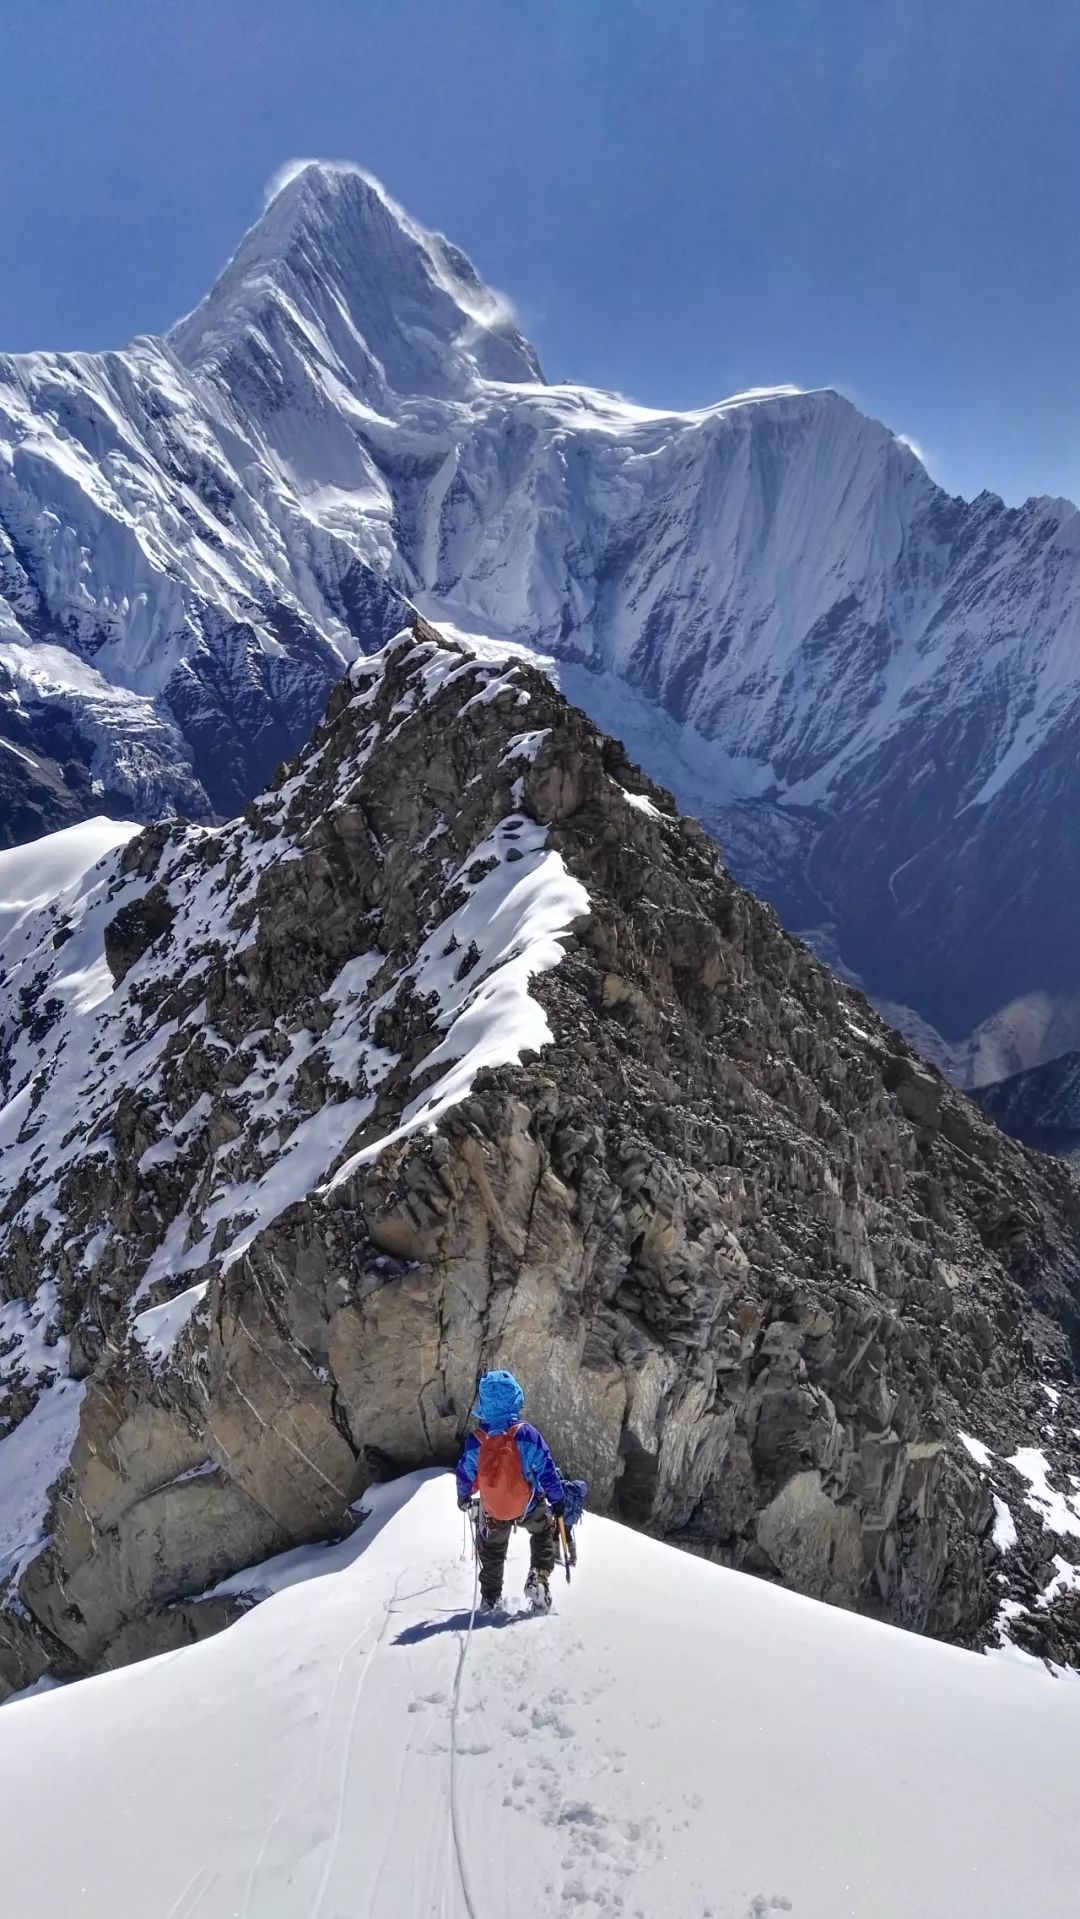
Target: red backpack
(504, 1490)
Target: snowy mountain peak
(334, 266)
(867, 689)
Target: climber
(507, 1466)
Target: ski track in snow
(346, 1756)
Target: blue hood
(499, 1401)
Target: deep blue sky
(682, 197)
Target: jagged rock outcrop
(463, 1047)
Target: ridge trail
(673, 1742)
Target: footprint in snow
(760, 1906)
(546, 1719)
(591, 1899)
(427, 1699)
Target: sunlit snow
(674, 1741)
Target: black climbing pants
(493, 1538)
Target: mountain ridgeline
(868, 689)
(460, 1046)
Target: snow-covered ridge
(132, 1062)
(77, 1041)
(673, 1739)
(39, 875)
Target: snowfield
(40, 874)
(673, 1742)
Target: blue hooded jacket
(499, 1402)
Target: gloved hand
(558, 1510)
(464, 1502)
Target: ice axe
(565, 1543)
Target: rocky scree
(461, 1047)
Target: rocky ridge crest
(462, 1047)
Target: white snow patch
(1004, 1534)
(195, 1472)
(980, 1454)
(31, 1457)
(31, 1344)
(1059, 1511)
(159, 1327)
(1066, 1580)
(515, 917)
(525, 746)
(641, 803)
(26, 758)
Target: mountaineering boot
(537, 1592)
(491, 1605)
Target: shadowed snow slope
(1040, 1106)
(674, 1741)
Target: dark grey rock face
(757, 1263)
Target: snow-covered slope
(871, 689)
(41, 874)
(1040, 1106)
(674, 1742)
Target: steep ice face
(168, 603)
(692, 555)
(866, 689)
(1040, 1106)
(335, 271)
